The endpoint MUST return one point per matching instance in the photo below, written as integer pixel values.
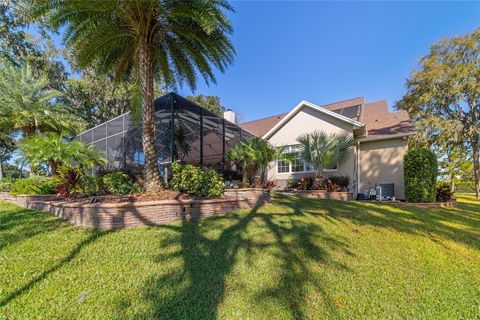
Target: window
(283, 165)
(295, 162)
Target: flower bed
(147, 213)
(322, 194)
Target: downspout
(358, 167)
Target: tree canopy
(443, 96)
(29, 106)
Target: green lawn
(295, 258)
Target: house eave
(387, 137)
(302, 104)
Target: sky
(325, 52)
(329, 51)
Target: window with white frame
(283, 165)
(290, 161)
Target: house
(380, 136)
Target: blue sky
(329, 51)
(324, 51)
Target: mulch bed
(141, 197)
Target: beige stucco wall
(382, 161)
(305, 121)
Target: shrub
(444, 192)
(35, 185)
(92, 185)
(420, 172)
(6, 183)
(196, 181)
(305, 183)
(292, 183)
(70, 177)
(465, 186)
(119, 183)
(338, 183)
(270, 184)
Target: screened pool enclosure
(185, 132)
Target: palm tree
(169, 41)
(27, 106)
(54, 150)
(253, 156)
(325, 151)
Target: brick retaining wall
(149, 213)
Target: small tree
(324, 151)
(54, 151)
(253, 156)
(420, 174)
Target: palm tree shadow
(197, 289)
(298, 250)
(94, 236)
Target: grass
(293, 259)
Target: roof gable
(306, 104)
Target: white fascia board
(387, 137)
(304, 103)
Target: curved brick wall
(125, 215)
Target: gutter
(386, 137)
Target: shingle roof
(375, 115)
(380, 121)
(261, 126)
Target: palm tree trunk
(153, 181)
(1, 169)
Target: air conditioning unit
(385, 191)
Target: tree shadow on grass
(298, 243)
(460, 224)
(19, 224)
(198, 288)
(94, 236)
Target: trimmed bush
(6, 183)
(305, 183)
(444, 192)
(35, 185)
(92, 185)
(119, 183)
(465, 186)
(196, 181)
(338, 183)
(420, 172)
(292, 183)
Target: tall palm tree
(324, 151)
(169, 41)
(27, 106)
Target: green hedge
(420, 172)
(196, 181)
(465, 186)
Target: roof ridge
(275, 115)
(337, 102)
